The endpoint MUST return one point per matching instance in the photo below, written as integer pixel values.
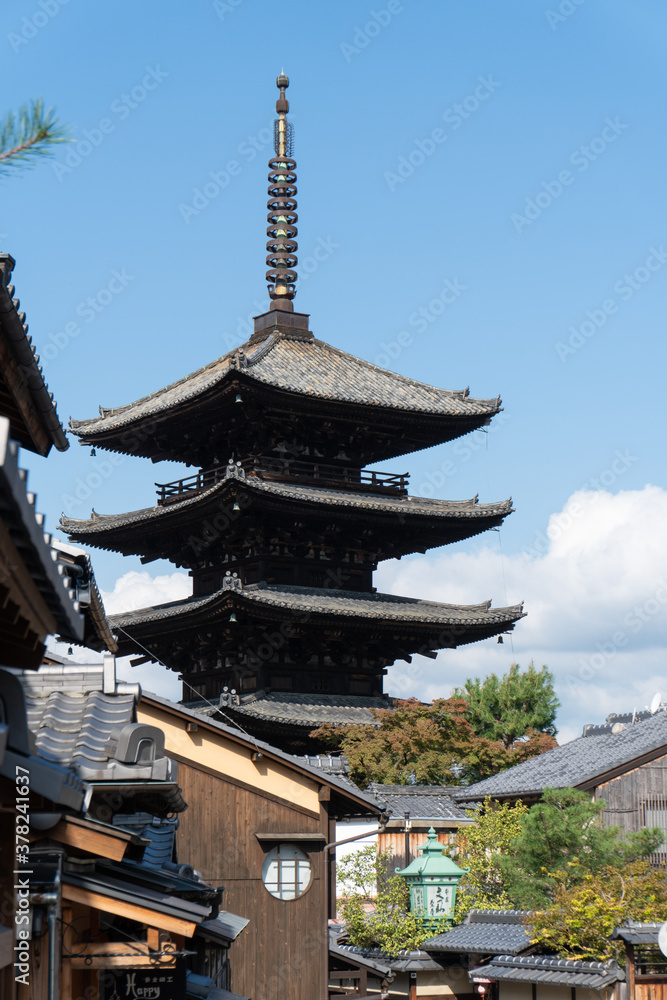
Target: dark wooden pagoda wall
(281, 954)
(632, 797)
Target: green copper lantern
(432, 880)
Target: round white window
(286, 871)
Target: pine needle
(28, 135)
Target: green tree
(562, 840)
(481, 847)
(376, 905)
(26, 136)
(581, 917)
(503, 709)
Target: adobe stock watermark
(565, 9)
(225, 7)
(636, 619)
(625, 288)
(454, 116)
(364, 35)
(120, 108)
(218, 181)
(464, 451)
(420, 320)
(580, 158)
(85, 486)
(88, 310)
(573, 510)
(32, 24)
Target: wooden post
(630, 966)
(68, 949)
(412, 988)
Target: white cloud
(595, 591)
(136, 590)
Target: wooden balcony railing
(288, 470)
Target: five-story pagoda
(283, 526)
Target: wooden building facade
(637, 798)
(260, 823)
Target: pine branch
(29, 134)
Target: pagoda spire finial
(281, 245)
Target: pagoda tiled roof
(317, 601)
(309, 711)
(404, 506)
(300, 366)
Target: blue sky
(514, 150)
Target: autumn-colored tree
(414, 743)
(376, 905)
(456, 740)
(480, 848)
(581, 917)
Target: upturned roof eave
(199, 389)
(14, 330)
(264, 601)
(409, 507)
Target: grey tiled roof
(574, 763)
(616, 721)
(306, 367)
(81, 716)
(370, 958)
(226, 925)
(485, 932)
(405, 506)
(381, 963)
(423, 802)
(26, 527)
(159, 832)
(73, 729)
(328, 763)
(638, 933)
(97, 634)
(549, 971)
(344, 603)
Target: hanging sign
(143, 984)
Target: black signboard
(143, 984)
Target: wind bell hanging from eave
(282, 217)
